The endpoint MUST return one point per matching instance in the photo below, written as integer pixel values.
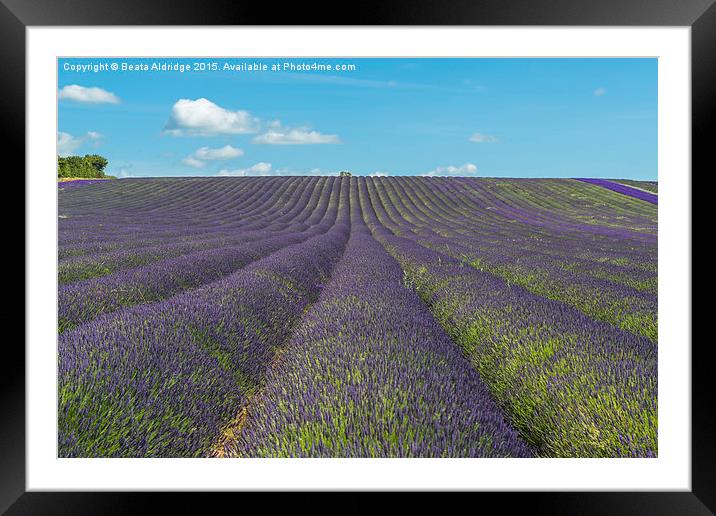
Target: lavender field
(357, 317)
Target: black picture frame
(700, 15)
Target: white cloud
(600, 91)
(259, 169)
(280, 135)
(200, 156)
(193, 162)
(122, 170)
(68, 144)
(90, 95)
(122, 174)
(201, 117)
(468, 169)
(482, 138)
(225, 152)
(379, 174)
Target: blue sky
(472, 117)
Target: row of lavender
(607, 272)
(649, 186)
(346, 384)
(370, 373)
(626, 189)
(571, 385)
(120, 217)
(162, 379)
(92, 259)
(168, 274)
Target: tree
(97, 162)
(89, 166)
(345, 173)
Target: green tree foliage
(345, 173)
(90, 166)
(97, 162)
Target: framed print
(418, 250)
